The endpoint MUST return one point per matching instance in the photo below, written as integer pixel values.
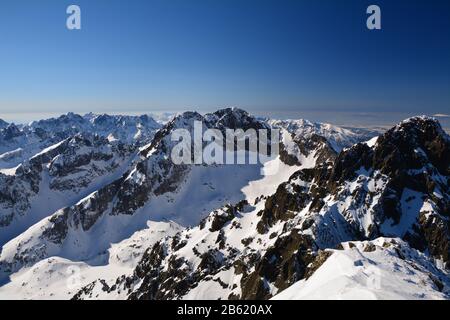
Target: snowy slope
(383, 269)
(60, 278)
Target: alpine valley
(92, 207)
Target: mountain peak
(422, 123)
(188, 115)
(417, 143)
(3, 124)
(229, 111)
(235, 118)
(412, 144)
(71, 116)
(11, 131)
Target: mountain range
(92, 207)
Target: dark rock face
(58, 232)
(175, 280)
(350, 161)
(11, 132)
(293, 196)
(415, 155)
(3, 124)
(324, 152)
(217, 220)
(313, 144)
(16, 191)
(97, 205)
(283, 264)
(98, 159)
(412, 145)
(234, 118)
(282, 206)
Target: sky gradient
(287, 57)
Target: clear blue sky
(203, 54)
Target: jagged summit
(227, 117)
(106, 119)
(419, 130)
(11, 131)
(418, 143)
(235, 118)
(338, 137)
(230, 118)
(3, 124)
(69, 119)
(414, 143)
(230, 112)
(418, 121)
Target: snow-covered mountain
(57, 177)
(107, 200)
(19, 143)
(257, 250)
(115, 127)
(338, 137)
(3, 124)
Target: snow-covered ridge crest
(338, 137)
(382, 269)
